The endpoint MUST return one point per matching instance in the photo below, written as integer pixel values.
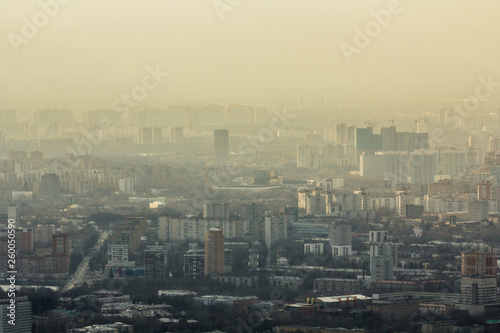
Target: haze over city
(90, 52)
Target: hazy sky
(92, 51)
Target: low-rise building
(437, 308)
(239, 281)
(105, 328)
(291, 282)
(400, 286)
(331, 284)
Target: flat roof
(338, 299)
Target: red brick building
(55, 264)
(479, 263)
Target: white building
(126, 185)
(417, 232)
(478, 290)
(314, 249)
(184, 228)
(376, 236)
(341, 250)
(13, 213)
(118, 255)
(22, 313)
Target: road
(79, 275)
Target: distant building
(22, 315)
(24, 241)
(422, 167)
(130, 231)
(117, 327)
(177, 293)
(478, 210)
(126, 185)
(478, 290)
(8, 120)
(51, 117)
(118, 255)
(341, 250)
(478, 281)
(383, 259)
(318, 204)
(194, 264)
(340, 236)
(345, 134)
(286, 282)
(292, 213)
(403, 141)
(309, 329)
(13, 214)
(378, 236)
(450, 162)
(382, 286)
(389, 165)
(214, 252)
(367, 141)
(413, 211)
(162, 228)
(265, 177)
(332, 284)
(215, 210)
(22, 195)
(252, 212)
(150, 136)
(50, 186)
(221, 144)
(417, 232)
(97, 117)
(183, 228)
(253, 257)
(176, 135)
(275, 229)
(353, 202)
(54, 263)
(43, 234)
(155, 262)
(437, 308)
(308, 156)
(157, 135)
(479, 263)
(314, 249)
(243, 281)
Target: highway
(79, 275)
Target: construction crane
(393, 120)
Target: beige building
(214, 252)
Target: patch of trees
(103, 219)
